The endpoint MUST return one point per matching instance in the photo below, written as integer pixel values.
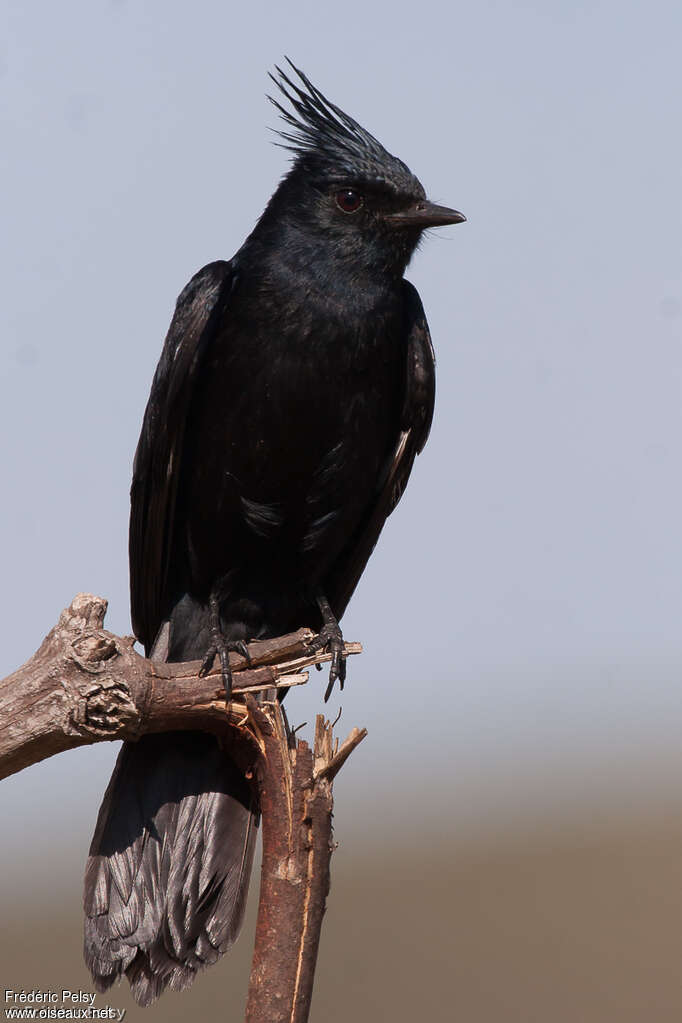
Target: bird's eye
(349, 200)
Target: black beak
(425, 214)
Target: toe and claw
(221, 648)
(330, 638)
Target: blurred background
(511, 829)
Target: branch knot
(105, 707)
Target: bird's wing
(417, 413)
(156, 468)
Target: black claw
(226, 673)
(241, 648)
(222, 651)
(331, 638)
(221, 647)
(207, 662)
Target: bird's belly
(283, 470)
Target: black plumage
(294, 390)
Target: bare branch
(329, 768)
(296, 793)
(87, 685)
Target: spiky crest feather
(329, 139)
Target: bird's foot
(330, 638)
(221, 647)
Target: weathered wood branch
(296, 802)
(86, 685)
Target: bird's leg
(221, 646)
(330, 636)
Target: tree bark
(295, 786)
(86, 685)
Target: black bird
(294, 390)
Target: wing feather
(156, 469)
(417, 414)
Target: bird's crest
(322, 133)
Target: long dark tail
(168, 871)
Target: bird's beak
(425, 214)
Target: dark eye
(349, 200)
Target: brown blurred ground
(578, 924)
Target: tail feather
(168, 872)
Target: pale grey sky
(524, 605)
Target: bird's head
(344, 187)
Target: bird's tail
(168, 871)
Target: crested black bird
(294, 390)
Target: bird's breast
(292, 421)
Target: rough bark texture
(86, 685)
(295, 788)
